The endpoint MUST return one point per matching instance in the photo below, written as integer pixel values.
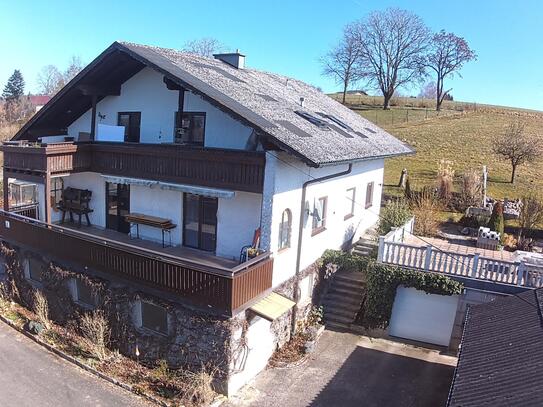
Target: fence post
(381, 251)
(520, 273)
(475, 266)
(428, 258)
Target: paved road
(348, 370)
(30, 376)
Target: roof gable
(266, 101)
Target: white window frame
(350, 197)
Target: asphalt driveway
(31, 376)
(351, 370)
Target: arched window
(285, 229)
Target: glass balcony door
(200, 222)
(117, 206)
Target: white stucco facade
(146, 92)
(285, 177)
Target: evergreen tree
(15, 87)
(496, 219)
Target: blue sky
(287, 37)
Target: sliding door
(200, 222)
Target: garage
(423, 317)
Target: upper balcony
(209, 167)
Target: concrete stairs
(365, 247)
(344, 299)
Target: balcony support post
(93, 118)
(47, 188)
(6, 191)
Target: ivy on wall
(383, 280)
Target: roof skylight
(321, 124)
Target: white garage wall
(146, 92)
(283, 189)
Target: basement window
(321, 124)
(33, 270)
(82, 293)
(153, 317)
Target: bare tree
(48, 80)
(74, 67)
(341, 62)
(393, 43)
(515, 146)
(428, 91)
(205, 47)
(448, 53)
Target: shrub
(471, 193)
(425, 208)
(41, 308)
(382, 282)
(345, 261)
(496, 219)
(96, 332)
(445, 176)
(531, 213)
(394, 214)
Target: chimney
(235, 59)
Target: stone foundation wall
(194, 338)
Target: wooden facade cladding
(216, 168)
(226, 290)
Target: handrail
(140, 251)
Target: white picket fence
(428, 258)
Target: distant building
(39, 101)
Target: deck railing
(209, 167)
(227, 290)
(428, 258)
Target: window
(285, 229)
(131, 122)
(321, 124)
(369, 195)
(57, 186)
(319, 215)
(154, 317)
(190, 128)
(82, 293)
(350, 197)
(33, 270)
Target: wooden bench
(76, 201)
(165, 225)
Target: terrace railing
(227, 290)
(428, 258)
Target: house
(501, 354)
(38, 101)
(202, 193)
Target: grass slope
(466, 140)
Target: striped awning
(191, 189)
(272, 306)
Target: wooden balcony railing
(227, 290)
(218, 168)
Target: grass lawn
(466, 140)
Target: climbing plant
(383, 280)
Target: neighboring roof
(266, 101)
(501, 354)
(39, 100)
(272, 306)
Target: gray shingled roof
(269, 101)
(501, 357)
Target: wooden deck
(199, 278)
(198, 256)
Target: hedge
(383, 280)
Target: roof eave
(370, 158)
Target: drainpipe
(300, 236)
